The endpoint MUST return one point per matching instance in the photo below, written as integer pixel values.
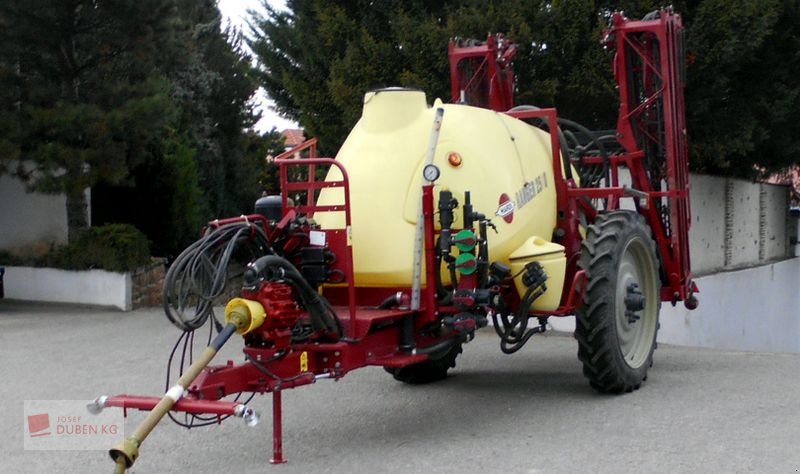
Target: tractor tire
(432, 370)
(617, 324)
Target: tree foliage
(317, 59)
(205, 168)
(81, 100)
(213, 85)
(743, 97)
(147, 102)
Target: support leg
(277, 429)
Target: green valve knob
(465, 240)
(466, 264)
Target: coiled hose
(198, 276)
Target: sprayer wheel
(432, 370)
(617, 324)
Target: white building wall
(776, 228)
(30, 220)
(754, 309)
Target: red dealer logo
(506, 208)
(39, 425)
(53, 425)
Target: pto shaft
(125, 453)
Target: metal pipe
(391, 301)
(417, 274)
(277, 429)
(430, 254)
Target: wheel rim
(636, 336)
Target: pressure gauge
(430, 173)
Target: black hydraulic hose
(391, 301)
(520, 318)
(483, 254)
(564, 153)
(191, 420)
(593, 139)
(453, 280)
(322, 315)
(444, 296)
(510, 348)
(563, 138)
(573, 140)
(197, 276)
(515, 333)
(441, 291)
(589, 134)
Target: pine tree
(81, 100)
(742, 99)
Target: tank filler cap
(395, 89)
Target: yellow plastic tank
(505, 163)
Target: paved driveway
(533, 412)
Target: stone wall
(148, 283)
(735, 223)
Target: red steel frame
(340, 237)
(306, 363)
(494, 72)
(648, 68)
(309, 146)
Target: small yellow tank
(505, 163)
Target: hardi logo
(506, 208)
(39, 425)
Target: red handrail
(311, 207)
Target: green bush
(25, 258)
(112, 247)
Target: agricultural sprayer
(435, 221)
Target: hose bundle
(195, 279)
(574, 150)
(200, 272)
(513, 329)
(184, 347)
